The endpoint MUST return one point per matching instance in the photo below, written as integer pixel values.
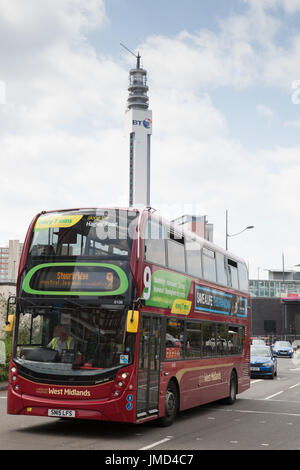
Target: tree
(5, 339)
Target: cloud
(63, 111)
(264, 111)
(57, 171)
(295, 124)
(243, 52)
(206, 60)
(289, 6)
(49, 21)
(55, 77)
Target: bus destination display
(77, 278)
(70, 278)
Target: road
(267, 416)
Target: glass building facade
(274, 288)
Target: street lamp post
(234, 234)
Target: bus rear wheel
(171, 405)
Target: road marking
(274, 395)
(262, 412)
(293, 386)
(255, 381)
(279, 401)
(155, 444)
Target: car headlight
(268, 364)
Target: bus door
(148, 366)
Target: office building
(275, 304)
(196, 224)
(9, 261)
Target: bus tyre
(171, 405)
(232, 389)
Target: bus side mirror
(9, 323)
(132, 321)
(10, 318)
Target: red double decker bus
(121, 316)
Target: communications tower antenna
(138, 57)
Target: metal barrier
(270, 339)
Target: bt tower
(139, 127)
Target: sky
(224, 89)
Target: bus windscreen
(84, 233)
(73, 342)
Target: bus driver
(61, 340)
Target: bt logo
(146, 123)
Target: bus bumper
(103, 410)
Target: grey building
(9, 261)
(275, 305)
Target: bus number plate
(61, 413)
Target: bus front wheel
(171, 405)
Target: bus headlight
(121, 383)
